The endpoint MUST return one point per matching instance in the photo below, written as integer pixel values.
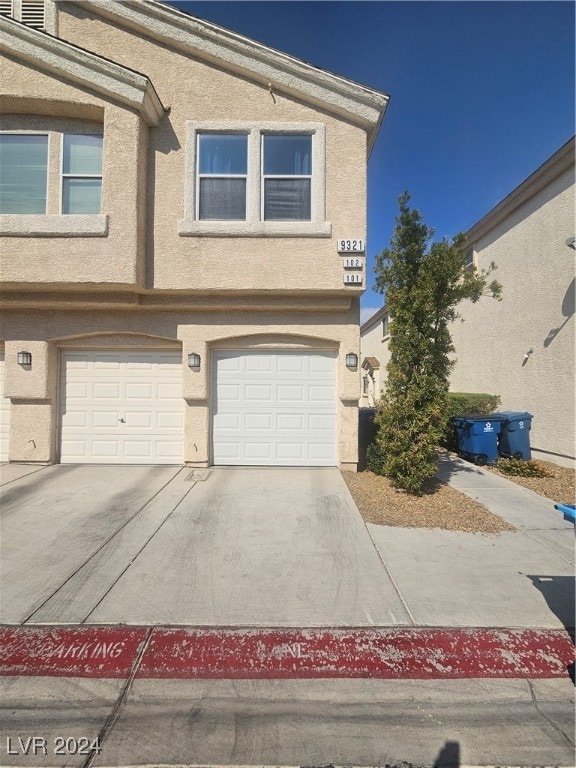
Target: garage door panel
(124, 406)
(273, 408)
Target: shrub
(521, 468)
(463, 404)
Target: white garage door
(121, 407)
(275, 408)
(4, 415)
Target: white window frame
(48, 140)
(199, 175)
(254, 225)
(264, 176)
(385, 326)
(78, 175)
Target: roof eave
(359, 104)
(81, 67)
(559, 162)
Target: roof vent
(6, 8)
(32, 13)
(29, 12)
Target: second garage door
(121, 407)
(274, 408)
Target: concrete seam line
(379, 555)
(546, 546)
(34, 471)
(104, 544)
(113, 716)
(137, 555)
(549, 720)
(392, 579)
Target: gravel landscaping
(444, 507)
(440, 507)
(560, 487)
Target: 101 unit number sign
(350, 246)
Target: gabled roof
(359, 104)
(559, 162)
(371, 363)
(373, 320)
(76, 65)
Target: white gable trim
(361, 105)
(78, 66)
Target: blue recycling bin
(478, 437)
(515, 434)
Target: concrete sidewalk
(515, 579)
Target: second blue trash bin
(478, 437)
(515, 434)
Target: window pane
(23, 165)
(222, 199)
(287, 155)
(287, 199)
(223, 153)
(82, 154)
(81, 195)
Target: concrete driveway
(169, 545)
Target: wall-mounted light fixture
(571, 242)
(194, 360)
(24, 358)
(528, 353)
(351, 360)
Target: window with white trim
(81, 173)
(222, 176)
(262, 180)
(286, 177)
(23, 172)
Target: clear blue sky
(482, 93)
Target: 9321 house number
(350, 246)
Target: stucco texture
(34, 433)
(117, 258)
(536, 269)
(195, 90)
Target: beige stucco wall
(34, 408)
(113, 254)
(536, 269)
(196, 91)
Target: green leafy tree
(424, 282)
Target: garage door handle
(122, 421)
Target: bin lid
(481, 417)
(514, 415)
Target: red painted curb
(69, 651)
(379, 653)
(187, 653)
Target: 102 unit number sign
(350, 246)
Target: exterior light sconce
(528, 353)
(351, 360)
(24, 358)
(194, 360)
(571, 242)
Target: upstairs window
(385, 326)
(81, 173)
(469, 259)
(286, 177)
(222, 176)
(23, 172)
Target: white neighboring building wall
(374, 338)
(522, 348)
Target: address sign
(351, 246)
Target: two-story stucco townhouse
(171, 199)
